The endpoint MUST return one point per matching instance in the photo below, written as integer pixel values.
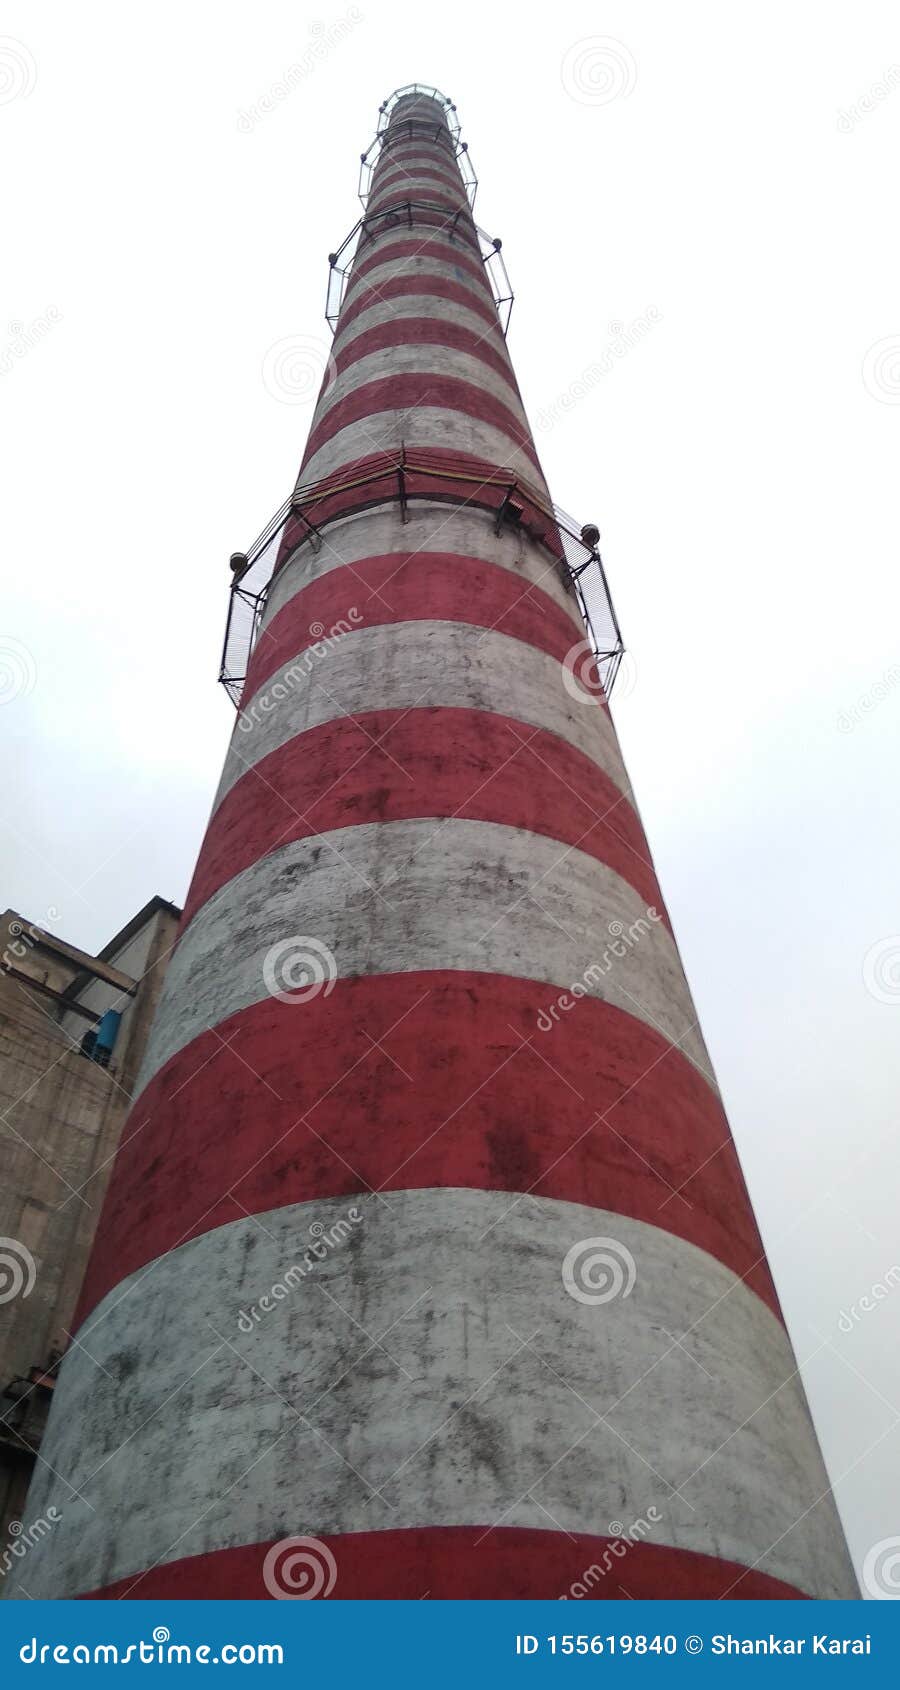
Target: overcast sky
(729, 175)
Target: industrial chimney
(427, 1267)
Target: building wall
(61, 1120)
(145, 956)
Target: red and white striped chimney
(427, 1266)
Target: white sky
(741, 462)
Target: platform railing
(419, 214)
(404, 478)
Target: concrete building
(65, 1093)
(430, 1270)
